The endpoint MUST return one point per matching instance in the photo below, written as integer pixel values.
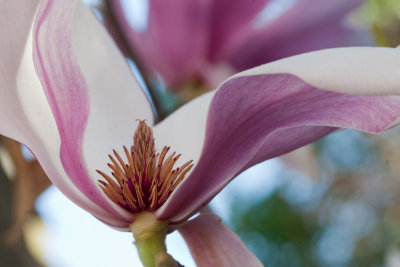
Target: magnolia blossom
(69, 96)
(208, 39)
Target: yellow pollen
(144, 180)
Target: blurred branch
(29, 182)
(111, 23)
(13, 250)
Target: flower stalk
(149, 234)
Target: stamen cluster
(146, 179)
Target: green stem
(149, 248)
(149, 236)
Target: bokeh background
(334, 203)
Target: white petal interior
(355, 70)
(116, 99)
(184, 130)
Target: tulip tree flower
(219, 36)
(68, 95)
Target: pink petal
(175, 32)
(211, 243)
(354, 70)
(24, 112)
(232, 20)
(15, 24)
(93, 96)
(13, 38)
(306, 26)
(255, 116)
(232, 32)
(66, 91)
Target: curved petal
(244, 33)
(257, 115)
(92, 95)
(24, 112)
(306, 26)
(15, 23)
(211, 243)
(354, 70)
(167, 35)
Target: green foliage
(278, 234)
(383, 18)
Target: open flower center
(146, 179)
